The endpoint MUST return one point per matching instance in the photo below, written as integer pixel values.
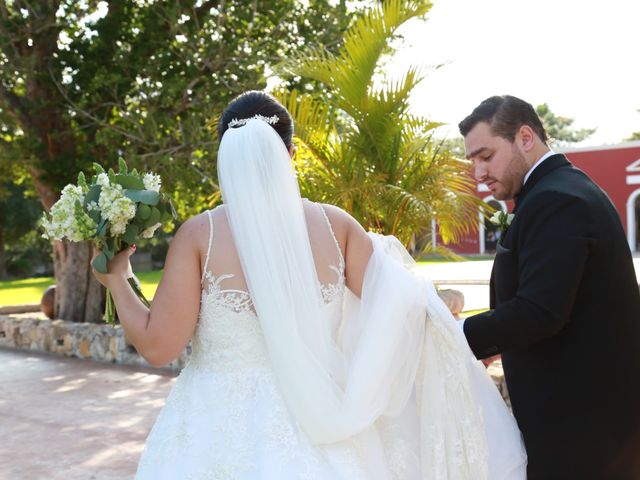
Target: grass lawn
(30, 290)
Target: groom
(565, 303)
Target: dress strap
(206, 260)
(333, 235)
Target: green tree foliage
(634, 136)
(560, 129)
(18, 216)
(85, 81)
(361, 149)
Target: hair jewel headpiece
(272, 120)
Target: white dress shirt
(535, 165)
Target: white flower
(68, 218)
(103, 180)
(502, 219)
(148, 232)
(118, 228)
(116, 208)
(151, 181)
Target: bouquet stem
(135, 285)
(109, 309)
(110, 306)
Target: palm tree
(361, 149)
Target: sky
(580, 57)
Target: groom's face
(498, 162)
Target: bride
(318, 353)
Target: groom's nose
(480, 171)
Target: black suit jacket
(566, 319)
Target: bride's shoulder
(202, 219)
(335, 214)
(198, 227)
(340, 219)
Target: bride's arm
(356, 245)
(163, 331)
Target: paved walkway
(64, 418)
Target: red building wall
(613, 169)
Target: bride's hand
(118, 267)
(488, 361)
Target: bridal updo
(252, 103)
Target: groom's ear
(525, 137)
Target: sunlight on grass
(149, 282)
(434, 259)
(30, 290)
(470, 313)
(19, 292)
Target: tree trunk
(79, 296)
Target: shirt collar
(535, 165)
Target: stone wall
(99, 342)
(106, 343)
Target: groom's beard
(512, 178)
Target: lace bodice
(228, 334)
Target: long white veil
(337, 388)
(331, 396)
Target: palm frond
(362, 150)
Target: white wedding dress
(226, 416)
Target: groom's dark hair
(505, 115)
(255, 102)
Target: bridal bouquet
(113, 211)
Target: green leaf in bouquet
(102, 228)
(129, 181)
(98, 168)
(131, 234)
(122, 166)
(93, 194)
(100, 263)
(82, 181)
(135, 173)
(108, 253)
(153, 218)
(112, 176)
(143, 212)
(148, 197)
(95, 216)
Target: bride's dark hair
(254, 102)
